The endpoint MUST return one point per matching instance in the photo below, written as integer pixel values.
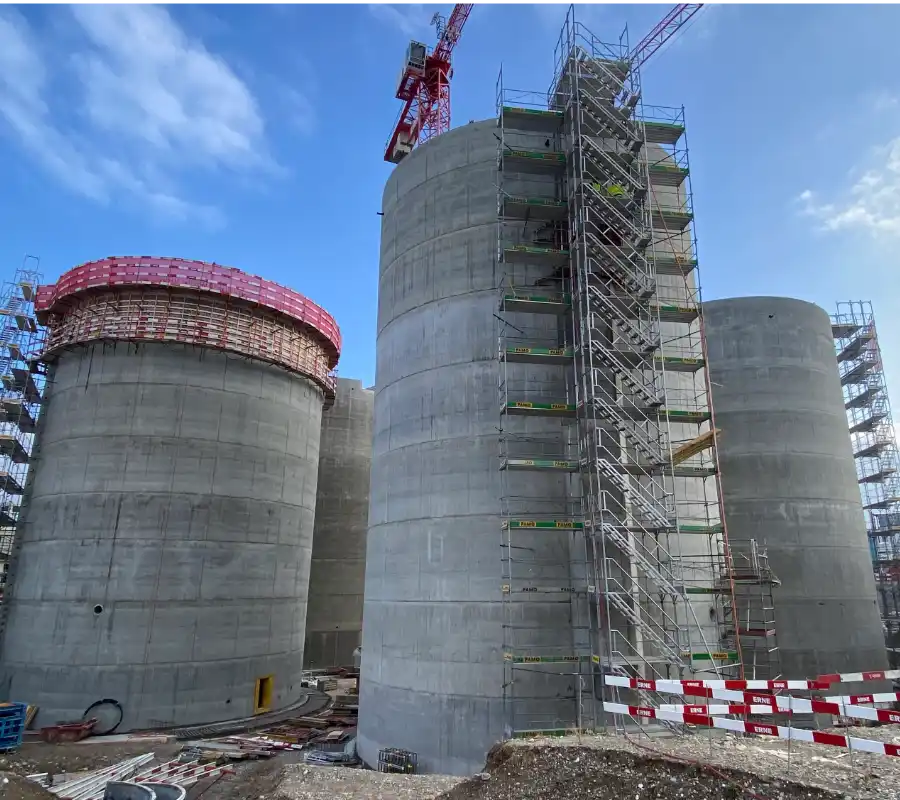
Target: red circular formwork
(147, 298)
(199, 276)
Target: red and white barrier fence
(782, 704)
(778, 731)
(860, 677)
(860, 699)
(820, 683)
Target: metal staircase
(873, 437)
(20, 398)
(615, 555)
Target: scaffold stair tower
(604, 395)
(22, 376)
(875, 451)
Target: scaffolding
(875, 450)
(614, 551)
(21, 342)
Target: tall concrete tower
(544, 499)
(789, 480)
(337, 574)
(165, 538)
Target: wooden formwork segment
(202, 319)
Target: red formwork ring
(202, 276)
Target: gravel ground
(304, 782)
(59, 758)
(584, 773)
(857, 776)
(15, 787)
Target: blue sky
(253, 136)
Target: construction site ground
(696, 767)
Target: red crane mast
(424, 87)
(664, 30)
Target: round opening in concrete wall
(98, 610)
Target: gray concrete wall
(432, 674)
(789, 481)
(337, 572)
(164, 552)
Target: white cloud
(298, 109)
(412, 19)
(871, 204)
(884, 100)
(145, 104)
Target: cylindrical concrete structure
(789, 480)
(432, 678)
(338, 569)
(432, 670)
(163, 553)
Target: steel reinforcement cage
(875, 451)
(150, 298)
(603, 383)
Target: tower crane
(664, 30)
(424, 87)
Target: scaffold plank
(536, 120)
(543, 524)
(663, 132)
(557, 465)
(663, 174)
(532, 161)
(713, 655)
(535, 256)
(667, 263)
(696, 445)
(843, 330)
(533, 208)
(538, 355)
(535, 303)
(704, 530)
(671, 220)
(529, 409)
(669, 312)
(680, 363)
(549, 659)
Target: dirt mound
(15, 787)
(580, 773)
